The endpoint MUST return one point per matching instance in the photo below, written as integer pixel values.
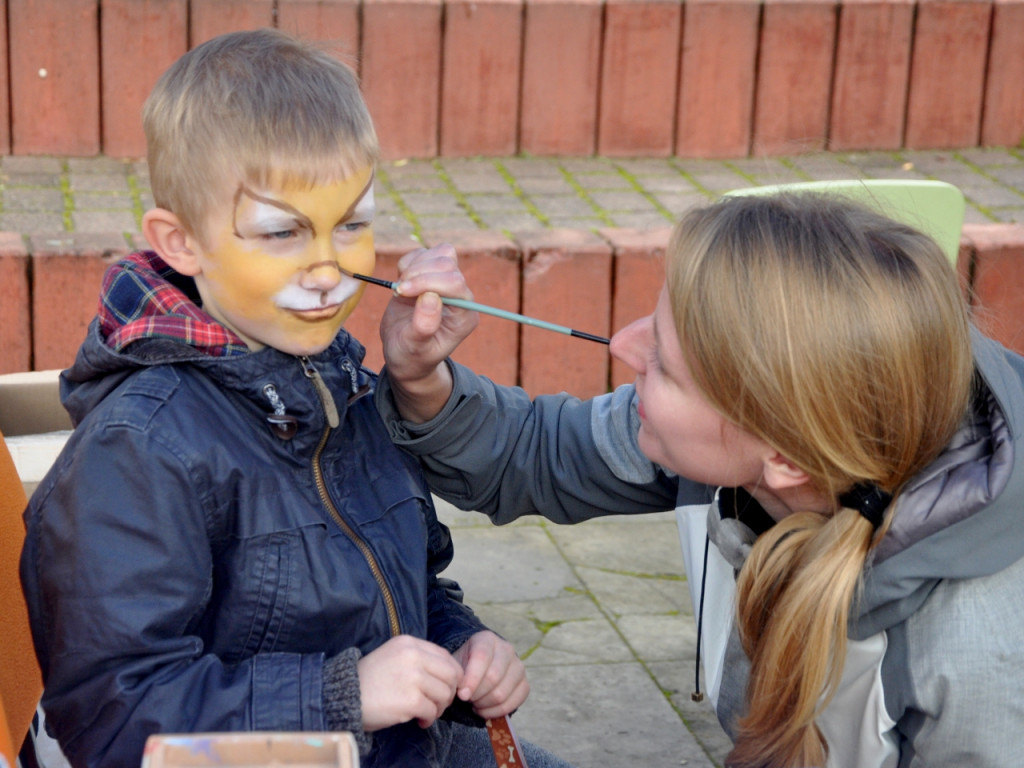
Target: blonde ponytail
(794, 598)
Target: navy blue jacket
(188, 568)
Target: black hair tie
(868, 499)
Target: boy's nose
(321, 275)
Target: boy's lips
(312, 315)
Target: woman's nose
(630, 344)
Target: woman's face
(680, 430)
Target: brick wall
(595, 283)
(699, 78)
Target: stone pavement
(47, 195)
(601, 614)
(600, 611)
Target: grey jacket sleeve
(493, 450)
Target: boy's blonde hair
(247, 104)
(841, 338)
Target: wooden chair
(20, 681)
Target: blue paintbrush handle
(486, 310)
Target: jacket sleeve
(118, 570)
(493, 450)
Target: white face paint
(298, 299)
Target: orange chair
(21, 684)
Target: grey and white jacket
(934, 674)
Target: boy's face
(271, 260)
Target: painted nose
(321, 276)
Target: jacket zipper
(331, 411)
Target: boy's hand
(418, 332)
(406, 678)
(494, 677)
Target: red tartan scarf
(143, 298)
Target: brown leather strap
(507, 752)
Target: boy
(229, 541)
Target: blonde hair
(247, 104)
(841, 338)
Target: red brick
(567, 281)
(1003, 119)
(139, 39)
(947, 74)
(210, 18)
(794, 76)
(67, 271)
(401, 74)
(480, 81)
(15, 315)
(639, 77)
(558, 115)
(364, 322)
(331, 22)
(998, 289)
(5, 81)
(491, 264)
(716, 91)
(869, 91)
(639, 264)
(54, 53)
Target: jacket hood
(960, 518)
(99, 368)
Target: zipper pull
(284, 426)
(326, 399)
(357, 391)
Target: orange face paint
(272, 259)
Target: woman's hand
(419, 332)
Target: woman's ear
(780, 472)
(171, 241)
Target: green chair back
(934, 207)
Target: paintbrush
(486, 310)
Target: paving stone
(33, 200)
(521, 564)
(33, 221)
(104, 221)
(596, 726)
(620, 200)
(98, 182)
(32, 164)
(602, 546)
(625, 594)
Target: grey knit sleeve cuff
(343, 709)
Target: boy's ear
(171, 241)
(780, 472)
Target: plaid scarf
(143, 298)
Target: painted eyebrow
(300, 217)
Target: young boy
(230, 542)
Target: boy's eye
(354, 226)
(282, 234)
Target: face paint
(271, 264)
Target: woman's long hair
(841, 338)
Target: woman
(840, 447)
